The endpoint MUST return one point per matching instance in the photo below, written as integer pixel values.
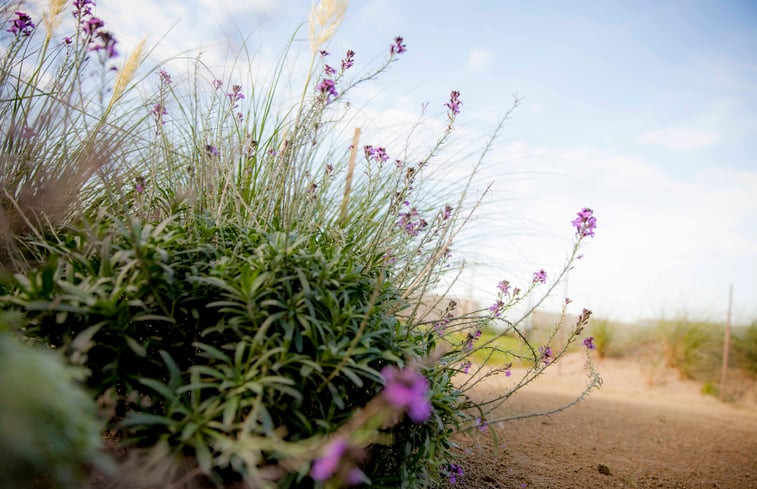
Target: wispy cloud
(681, 138)
(479, 59)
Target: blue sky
(644, 111)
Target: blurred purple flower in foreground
(455, 473)
(338, 453)
(407, 389)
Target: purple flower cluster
(455, 473)
(99, 39)
(377, 154)
(139, 184)
(504, 286)
(470, 339)
(411, 221)
(447, 212)
(328, 88)
(540, 277)
(165, 78)
(82, 8)
(398, 47)
(546, 354)
(349, 60)
(466, 367)
(22, 24)
(159, 110)
(216, 83)
(454, 103)
(407, 389)
(329, 70)
(585, 223)
(212, 150)
(497, 307)
(339, 458)
(235, 95)
(589, 343)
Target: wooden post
(726, 343)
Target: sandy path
(647, 427)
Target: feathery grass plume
(127, 72)
(348, 179)
(325, 17)
(52, 17)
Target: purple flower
(454, 103)
(540, 277)
(377, 154)
(568, 300)
(82, 8)
(504, 286)
(139, 184)
(22, 24)
(212, 150)
(159, 110)
(447, 212)
(482, 425)
(407, 389)
(546, 354)
(67, 41)
(398, 47)
(323, 53)
(349, 60)
(106, 42)
(329, 70)
(508, 373)
(235, 95)
(216, 83)
(340, 459)
(328, 88)
(585, 223)
(589, 343)
(496, 308)
(164, 77)
(91, 25)
(324, 467)
(455, 473)
(411, 221)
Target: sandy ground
(644, 428)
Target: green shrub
(694, 348)
(234, 275)
(48, 426)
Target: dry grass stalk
(325, 17)
(127, 72)
(52, 18)
(348, 178)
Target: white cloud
(479, 59)
(663, 245)
(681, 138)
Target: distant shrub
(745, 349)
(694, 348)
